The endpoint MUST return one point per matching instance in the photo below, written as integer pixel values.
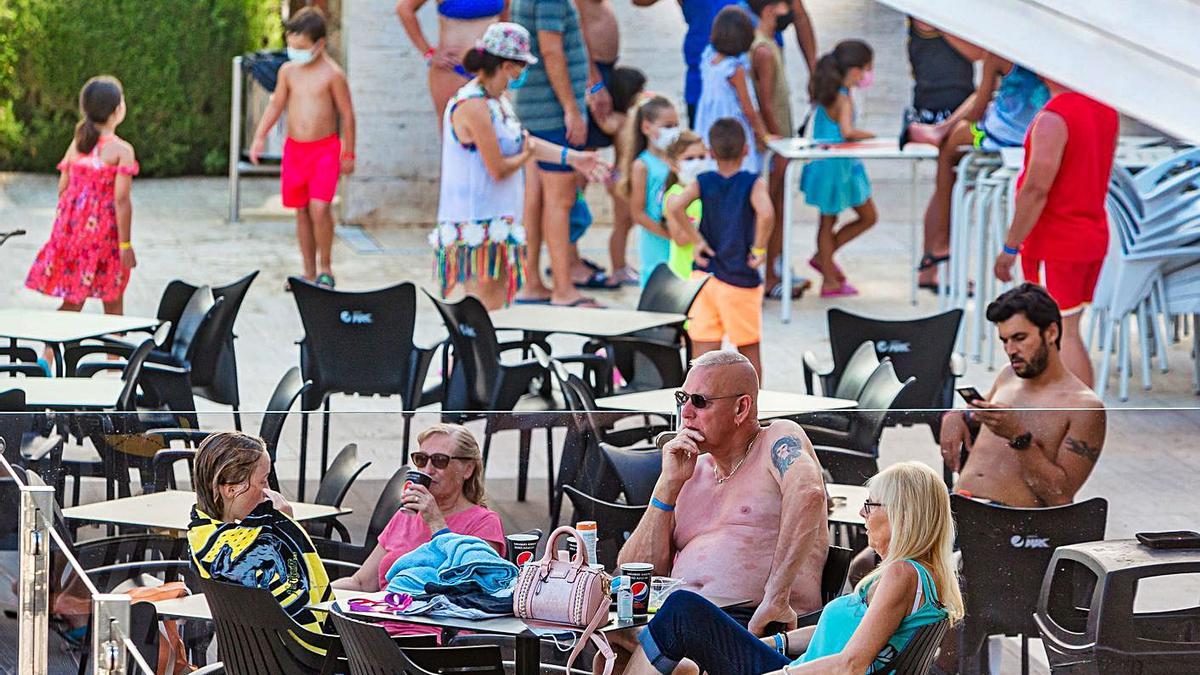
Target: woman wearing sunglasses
(908, 522)
(453, 502)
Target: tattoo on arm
(785, 452)
(1082, 449)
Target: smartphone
(969, 394)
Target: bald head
(736, 371)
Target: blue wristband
(1009, 250)
(595, 88)
(661, 505)
(563, 158)
(444, 530)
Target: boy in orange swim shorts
(316, 95)
(730, 244)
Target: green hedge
(173, 56)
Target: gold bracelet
(125, 245)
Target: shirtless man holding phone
(1035, 437)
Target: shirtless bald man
(1024, 457)
(739, 511)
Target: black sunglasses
(438, 460)
(700, 401)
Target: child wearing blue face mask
(644, 172)
(316, 95)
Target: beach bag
(568, 593)
(172, 655)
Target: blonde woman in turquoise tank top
(908, 517)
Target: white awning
(1140, 56)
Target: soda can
(622, 590)
(521, 548)
(572, 548)
(639, 585)
(414, 477)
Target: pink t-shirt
(406, 531)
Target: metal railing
(111, 648)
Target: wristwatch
(1021, 442)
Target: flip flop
(812, 262)
(326, 280)
(627, 277)
(581, 302)
(531, 301)
(929, 261)
(843, 291)
(598, 280)
(798, 288)
(932, 287)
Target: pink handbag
(570, 593)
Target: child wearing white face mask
(688, 158)
(644, 171)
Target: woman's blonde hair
(226, 458)
(918, 508)
(465, 445)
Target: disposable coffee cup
(414, 477)
(521, 548)
(639, 576)
(572, 548)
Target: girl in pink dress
(89, 254)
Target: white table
(771, 404)
(171, 510)
(798, 151)
(195, 606)
(66, 393)
(58, 328)
(847, 503)
(586, 321)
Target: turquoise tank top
(841, 618)
(825, 129)
(1018, 99)
(657, 172)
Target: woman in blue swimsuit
(908, 515)
(460, 24)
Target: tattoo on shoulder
(785, 452)
(1082, 449)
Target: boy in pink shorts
(317, 98)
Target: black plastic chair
(637, 469)
(850, 382)
(917, 656)
(342, 473)
(882, 393)
(481, 385)
(847, 467)
(21, 361)
(614, 522)
(656, 358)
(386, 507)
(1005, 553)
(255, 635)
(833, 580)
(922, 348)
(28, 438)
(289, 388)
(358, 343)
(371, 651)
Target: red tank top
(1073, 226)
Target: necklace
(721, 479)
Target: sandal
(929, 261)
(798, 288)
(598, 280)
(325, 280)
(587, 302)
(843, 291)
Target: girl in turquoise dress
(834, 185)
(908, 522)
(644, 172)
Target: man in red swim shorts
(316, 95)
(1060, 227)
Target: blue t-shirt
(699, 15)
(727, 224)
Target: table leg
(785, 301)
(529, 653)
(913, 255)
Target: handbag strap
(598, 638)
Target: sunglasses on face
(868, 507)
(439, 461)
(700, 401)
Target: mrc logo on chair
(356, 316)
(893, 347)
(1029, 541)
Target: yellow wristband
(125, 245)
(758, 251)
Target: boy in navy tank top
(730, 244)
